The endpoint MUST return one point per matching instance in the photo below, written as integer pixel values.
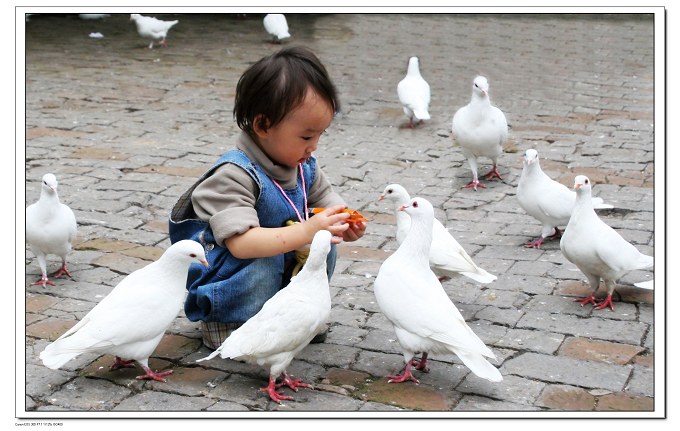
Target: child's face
(294, 139)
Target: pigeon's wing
(31, 222)
(283, 324)
(554, 200)
(501, 122)
(460, 129)
(405, 92)
(449, 258)
(447, 253)
(82, 322)
(70, 218)
(156, 26)
(126, 313)
(598, 203)
(617, 253)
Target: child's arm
(266, 242)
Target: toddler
(251, 210)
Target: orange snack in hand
(354, 215)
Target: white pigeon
(276, 25)
(90, 16)
(286, 323)
(447, 257)
(545, 199)
(413, 300)
(50, 229)
(153, 28)
(414, 94)
(481, 130)
(131, 320)
(597, 249)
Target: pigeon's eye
(193, 255)
(476, 85)
(415, 204)
(389, 191)
(586, 181)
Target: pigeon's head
(321, 244)
(582, 183)
(49, 183)
(413, 65)
(396, 193)
(188, 252)
(418, 208)
(480, 86)
(530, 156)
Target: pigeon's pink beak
(205, 263)
(577, 186)
(403, 207)
(381, 197)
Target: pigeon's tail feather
(649, 284)
(480, 366)
(231, 350)
(481, 276)
(644, 261)
(210, 356)
(226, 350)
(421, 114)
(599, 204)
(54, 358)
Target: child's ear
(260, 126)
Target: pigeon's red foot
(556, 235)
(43, 282)
(121, 363)
(294, 384)
(539, 241)
(404, 376)
(421, 365)
(62, 271)
(604, 304)
(152, 375)
(275, 396)
(474, 185)
(535, 244)
(493, 173)
(444, 278)
(589, 300)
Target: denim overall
(232, 290)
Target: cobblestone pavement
(127, 129)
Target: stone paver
(127, 129)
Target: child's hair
(277, 84)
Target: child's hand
(331, 219)
(355, 231)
